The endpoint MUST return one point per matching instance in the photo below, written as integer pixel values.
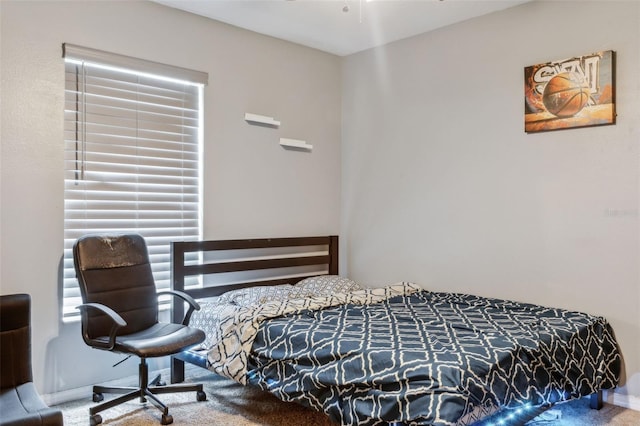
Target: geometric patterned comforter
(231, 327)
(428, 358)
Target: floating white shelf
(295, 143)
(261, 119)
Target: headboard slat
(252, 265)
(191, 246)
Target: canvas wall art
(570, 93)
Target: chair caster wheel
(201, 396)
(95, 420)
(97, 397)
(167, 419)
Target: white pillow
(323, 285)
(256, 295)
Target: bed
(278, 316)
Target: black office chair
(120, 314)
(20, 403)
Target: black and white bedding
(404, 354)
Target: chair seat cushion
(161, 339)
(23, 406)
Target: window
(132, 156)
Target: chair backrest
(15, 340)
(114, 270)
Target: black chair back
(115, 271)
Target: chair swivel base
(144, 392)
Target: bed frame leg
(595, 401)
(177, 370)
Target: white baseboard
(86, 392)
(627, 401)
(66, 396)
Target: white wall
(252, 187)
(441, 186)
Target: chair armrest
(117, 320)
(193, 305)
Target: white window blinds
(132, 156)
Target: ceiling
(341, 27)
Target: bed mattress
(414, 356)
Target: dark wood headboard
(260, 257)
(211, 265)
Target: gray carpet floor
(230, 404)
